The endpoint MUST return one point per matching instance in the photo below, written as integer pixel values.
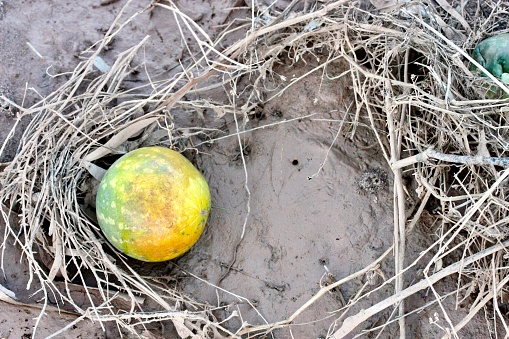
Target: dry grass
(412, 86)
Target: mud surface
(303, 199)
(296, 226)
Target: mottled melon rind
(152, 204)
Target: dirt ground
(317, 201)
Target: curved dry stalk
(430, 153)
(352, 322)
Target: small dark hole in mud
(259, 112)
(260, 115)
(295, 162)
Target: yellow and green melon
(153, 204)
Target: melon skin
(152, 204)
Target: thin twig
(352, 322)
(430, 153)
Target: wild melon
(152, 204)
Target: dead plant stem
(319, 294)
(352, 322)
(235, 50)
(490, 295)
(430, 153)
(461, 51)
(399, 203)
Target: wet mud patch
(307, 222)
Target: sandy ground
(296, 228)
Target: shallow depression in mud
(297, 228)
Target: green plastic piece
(493, 54)
(505, 78)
